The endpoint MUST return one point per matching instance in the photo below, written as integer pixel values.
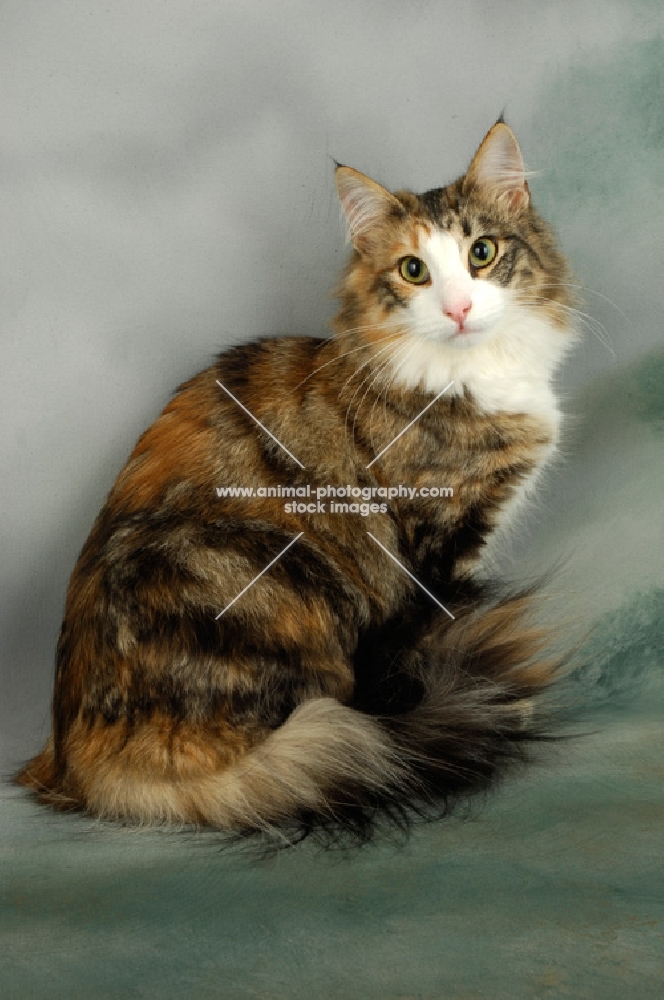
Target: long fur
(331, 695)
(333, 770)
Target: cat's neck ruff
(510, 372)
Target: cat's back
(209, 434)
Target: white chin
(462, 340)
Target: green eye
(414, 270)
(482, 252)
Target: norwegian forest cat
(252, 665)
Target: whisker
(355, 329)
(406, 352)
(363, 365)
(354, 373)
(373, 358)
(350, 402)
(338, 357)
(591, 323)
(591, 291)
(379, 372)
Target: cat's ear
(366, 205)
(497, 168)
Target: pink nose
(458, 311)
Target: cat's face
(436, 281)
(456, 267)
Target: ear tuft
(498, 168)
(365, 203)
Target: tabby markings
(256, 420)
(414, 578)
(413, 421)
(259, 575)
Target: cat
(255, 665)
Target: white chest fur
(510, 371)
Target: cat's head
(458, 267)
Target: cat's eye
(414, 270)
(482, 252)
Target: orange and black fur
(334, 691)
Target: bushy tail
(477, 684)
(332, 769)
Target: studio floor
(552, 889)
